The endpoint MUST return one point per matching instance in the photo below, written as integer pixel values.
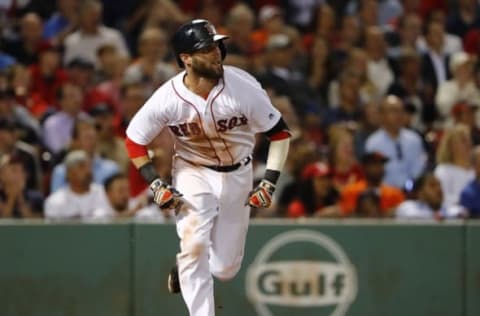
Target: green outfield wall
(346, 267)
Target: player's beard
(206, 70)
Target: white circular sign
(301, 283)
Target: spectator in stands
(118, 194)
(450, 43)
(57, 128)
(271, 21)
(150, 67)
(410, 88)
(367, 12)
(368, 204)
(168, 13)
(464, 17)
(461, 87)
(344, 167)
(109, 90)
(240, 23)
(23, 152)
(406, 36)
(62, 23)
(383, 11)
(80, 198)
(109, 145)
(454, 163)
(91, 34)
(25, 47)
(316, 196)
(466, 114)
(368, 124)
(16, 200)
(46, 78)
(349, 35)
(106, 57)
(133, 96)
(279, 75)
(379, 67)
(470, 195)
(147, 14)
(427, 203)
(324, 23)
(117, 189)
(20, 82)
(390, 197)
(349, 107)
(357, 65)
(28, 127)
(299, 14)
(6, 61)
(81, 73)
(84, 137)
(320, 70)
(403, 147)
(435, 70)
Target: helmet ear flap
(179, 61)
(223, 49)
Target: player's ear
(186, 59)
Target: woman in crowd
(454, 163)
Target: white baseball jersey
(218, 130)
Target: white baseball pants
(212, 230)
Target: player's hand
(164, 195)
(261, 196)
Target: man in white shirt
(428, 202)
(435, 61)
(117, 189)
(81, 198)
(461, 87)
(91, 35)
(379, 70)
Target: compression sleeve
(147, 170)
(135, 150)
(278, 150)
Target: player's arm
(164, 195)
(279, 137)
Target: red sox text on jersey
(193, 128)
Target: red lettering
(194, 128)
(232, 123)
(175, 130)
(222, 125)
(243, 120)
(184, 129)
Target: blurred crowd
(381, 97)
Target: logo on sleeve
(271, 116)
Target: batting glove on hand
(261, 196)
(164, 195)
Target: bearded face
(207, 69)
(207, 62)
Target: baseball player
(214, 112)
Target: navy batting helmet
(195, 35)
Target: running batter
(214, 112)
